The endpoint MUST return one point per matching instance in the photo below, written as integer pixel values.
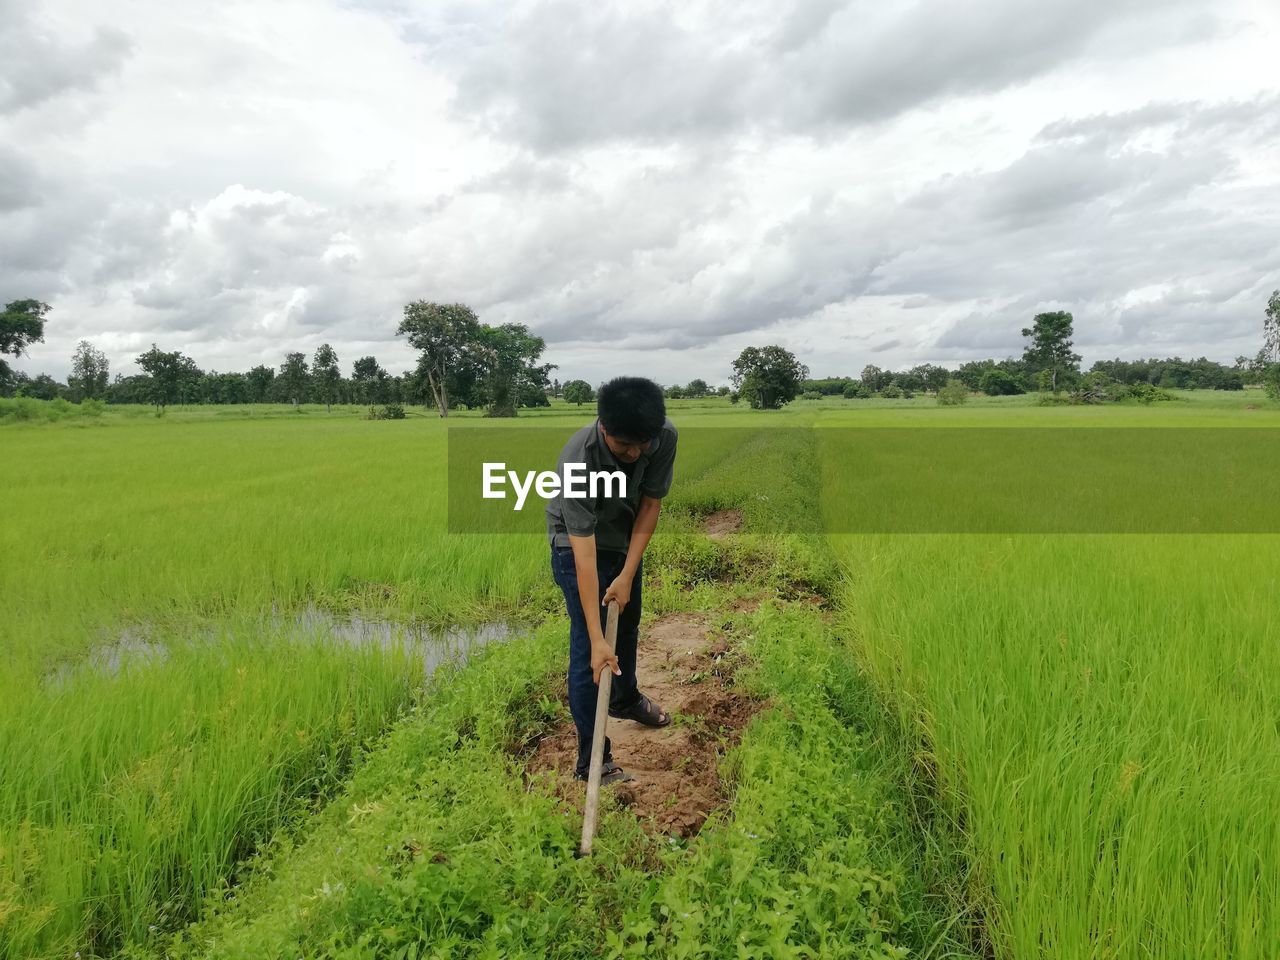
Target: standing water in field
(144, 645)
(437, 645)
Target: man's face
(627, 451)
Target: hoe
(597, 737)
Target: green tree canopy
(258, 382)
(509, 356)
(579, 392)
(768, 376)
(995, 382)
(931, 376)
(1271, 329)
(873, 378)
(90, 373)
(294, 378)
(326, 378)
(171, 374)
(1049, 351)
(370, 381)
(443, 332)
(22, 324)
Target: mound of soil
(676, 783)
(722, 523)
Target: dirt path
(676, 782)
(687, 669)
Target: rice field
(1009, 744)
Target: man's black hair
(631, 408)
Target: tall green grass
(1096, 714)
(1101, 715)
(126, 795)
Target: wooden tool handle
(605, 681)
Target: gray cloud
(19, 181)
(559, 74)
(37, 65)
(672, 187)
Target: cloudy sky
(650, 186)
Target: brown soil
(676, 783)
(722, 523)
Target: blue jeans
(582, 685)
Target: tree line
(1049, 364)
(463, 362)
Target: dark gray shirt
(610, 519)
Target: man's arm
(646, 522)
(584, 562)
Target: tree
(697, 388)
(22, 324)
(89, 373)
(1271, 329)
(258, 383)
(1050, 346)
(169, 373)
(931, 376)
(873, 378)
(531, 395)
(953, 393)
(1271, 381)
(443, 332)
(509, 354)
(1268, 359)
(370, 381)
(325, 375)
(41, 387)
(768, 376)
(131, 389)
(294, 378)
(995, 382)
(579, 392)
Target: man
(597, 551)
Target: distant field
(1096, 715)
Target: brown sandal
(645, 711)
(609, 773)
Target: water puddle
(436, 645)
(140, 646)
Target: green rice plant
(130, 787)
(128, 795)
(1101, 713)
(1088, 719)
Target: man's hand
(619, 590)
(601, 657)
